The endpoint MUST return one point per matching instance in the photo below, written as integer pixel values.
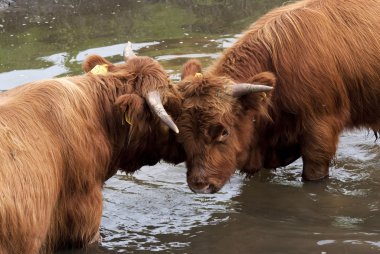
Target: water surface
(153, 210)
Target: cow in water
(61, 139)
(297, 78)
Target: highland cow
(61, 139)
(321, 59)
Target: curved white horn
(241, 89)
(154, 101)
(128, 52)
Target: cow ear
(91, 61)
(190, 68)
(254, 99)
(132, 109)
(266, 78)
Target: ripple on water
(141, 209)
(359, 242)
(354, 169)
(347, 222)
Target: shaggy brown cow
(323, 59)
(61, 139)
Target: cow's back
(29, 172)
(325, 54)
(46, 151)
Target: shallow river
(153, 210)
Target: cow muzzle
(203, 187)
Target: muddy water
(153, 210)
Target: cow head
(143, 101)
(217, 124)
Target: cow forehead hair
(209, 104)
(209, 110)
(207, 97)
(198, 120)
(203, 85)
(209, 87)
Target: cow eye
(218, 133)
(225, 133)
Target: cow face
(143, 100)
(217, 124)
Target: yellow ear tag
(100, 69)
(198, 75)
(126, 118)
(263, 96)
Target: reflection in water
(148, 206)
(153, 210)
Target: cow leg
(281, 156)
(314, 171)
(22, 234)
(90, 213)
(83, 212)
(318, 147)
(97, 239)
(21, 246)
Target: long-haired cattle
(322, 59)
(60, 139)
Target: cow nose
(203, 188)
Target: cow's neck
(249, 159)
(111, 119)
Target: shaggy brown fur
(61, 139)
(324, 56)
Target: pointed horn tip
(269, 88)
(264, 87)
(260, 87)
(154, 101)
(170, 123)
